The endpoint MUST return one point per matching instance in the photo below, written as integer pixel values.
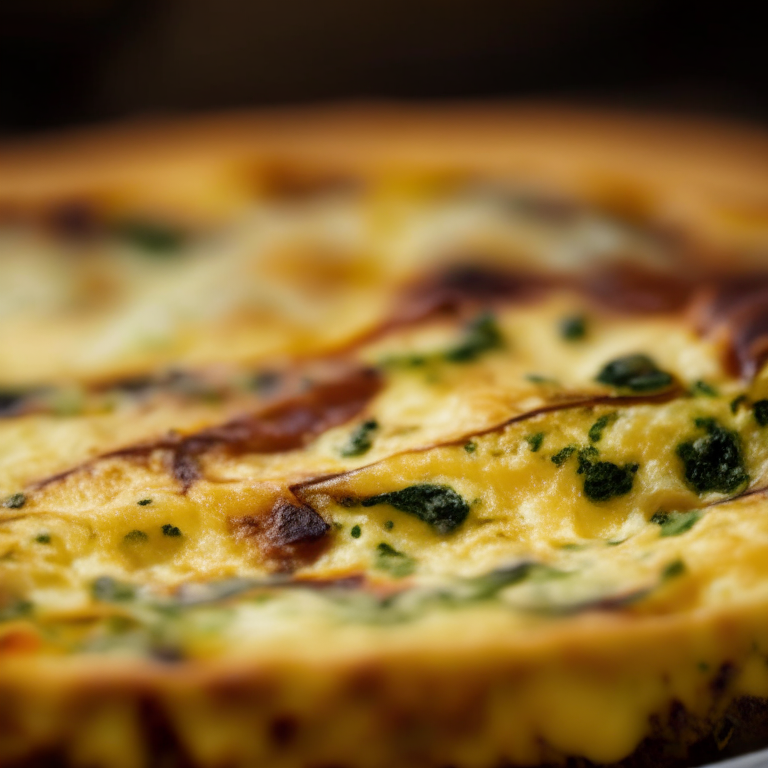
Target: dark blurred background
(70, 62)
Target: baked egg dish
(374, 438)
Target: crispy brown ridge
(735, 308)
(289, 536)
(282, 426)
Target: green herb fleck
(470, 447)
(43, 538)
(537, 378)
(355, 532)
(563, 455)
(438, 505)
(490, 584)
(638, 373)
(151, 237)
(415, 360)
(602, 479)
(737, 402)
(673, 570)
(170, 530)
(675, 523)
(389, 525)
(586, 458)
(361, 440)
(144, 502)
(481, 335)
(573, 328)
(702, 388)
(396, 563)
(109, 590)
(535, 440)
(596, 430)
(15, 501)
(135, 536)
(761, 412)
(67, 402)
(713, 462)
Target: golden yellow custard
(323, 449)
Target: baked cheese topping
(414, 420)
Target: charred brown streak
(575, 402)
(628, 288)
(625, 288)
(465, 283)
(291, 183)
(738, 307)
(283, 426)
(290, 535)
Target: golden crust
(372, 696)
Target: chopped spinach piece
(602, 479)
(535, 440)
(43, 538)
(673, 570)
(389, 525)
(361, 440)
(490, 584)
(702, 388)
(15, 501)
(573, 328)
(396, 563)
(481, 335)
(537, 378)
(135, 536)
(638, 373)
(596, 430)
(675, 523)
(151, 237)
(414, 360)
(109, 590)
(586, 458)
(355, 532)
(144, 502)
(760, 409)
(170, 530)
(438, 505)
(737, 402)
(470, 447)
(713, 462)
(563, 455)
